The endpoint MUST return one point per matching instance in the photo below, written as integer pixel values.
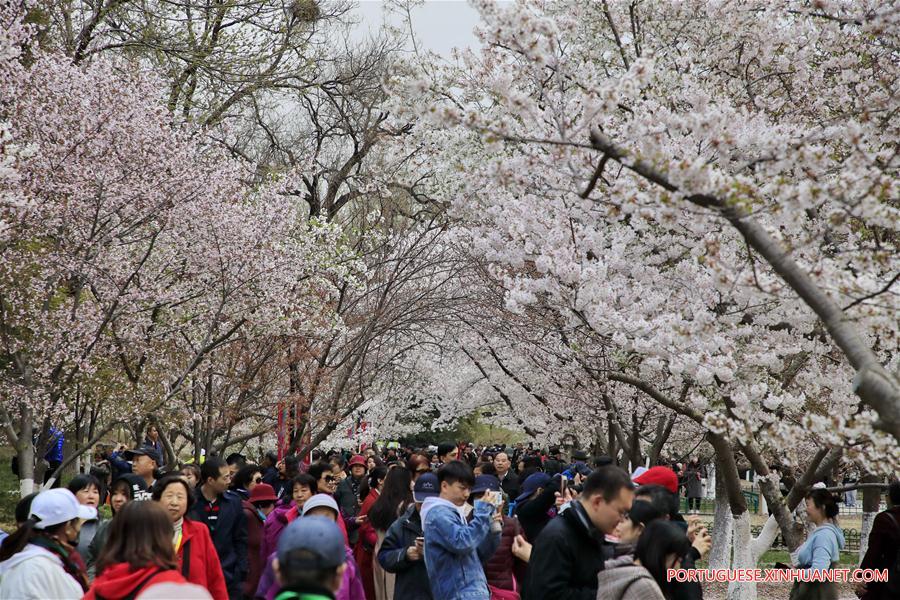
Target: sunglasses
(264, 504)
(257, 480)
(423, 470)
(330, 479)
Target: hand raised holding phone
(494, 498)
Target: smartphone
(420, 541)
(563, 485)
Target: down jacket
(412, 576)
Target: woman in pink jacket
(321, 505)
(304, 487)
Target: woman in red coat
(364, 552)
(137, 554)
(198, 560)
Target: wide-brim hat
(263, 492)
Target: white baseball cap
(320, 500)
(58, 506)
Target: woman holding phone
(396, 496)
(402, 550)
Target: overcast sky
(440, 25)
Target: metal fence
(851, 537)
(708, 505)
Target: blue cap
(311, 543)
(484, 483)
(145, 451)
(534, 481)
(426, 487)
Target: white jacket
(36, 574)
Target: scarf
(177, 533)
(71, 560)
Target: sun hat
(357, 460)
(58, 506)
(263, 492)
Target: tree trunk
(599, 446)
(25, 451)
(742, 555)
(171, 458)
(663, 431)
(611, 438)
(195, 421)
(743, 559)
(41, 447)
(723, 523)
(871, 500)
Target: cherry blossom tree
(134, 252)
(709, 190)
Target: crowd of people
(451, 522)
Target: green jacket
(297, 594)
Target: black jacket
(566, 558)
(270, 476)
(688, 590)
(884, 543)
(284, 488)
(228, 529)
(532, 513)
(412, 577)
(347, 497)
(510, 485)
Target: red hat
(358, 460)
(663, 476)
(263, 492)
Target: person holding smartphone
(534, 506)
(454, 548)
(403, 550)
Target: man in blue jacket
(220, 510)
(454, 549)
